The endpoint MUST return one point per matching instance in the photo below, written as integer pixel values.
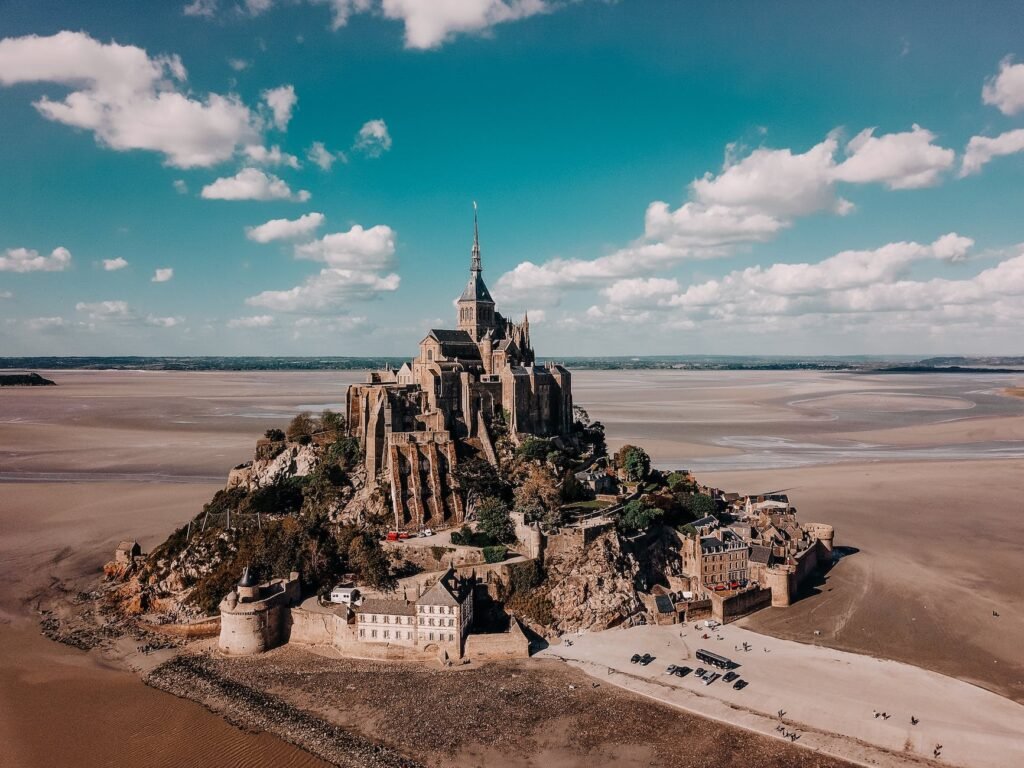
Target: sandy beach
(822, 692)
(932, 542)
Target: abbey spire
(475, 306)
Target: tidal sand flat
(932, 544)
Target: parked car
(671, 669)
(700, 671)
(392, 536)
(636, 658)
(646, 659)
(682, 671)
(427, 532)
(711, 678)
(404, 535)
(729, 676)
(739, 685)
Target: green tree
(345, 452)
(301, 428)
(370, 562)
(702, 505)
(634, 461)
(331, 421)
(538, 491)
(680, 481)
(494, 520)
(534, 448)
(479, 479)
(637, 516)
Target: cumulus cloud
(38, 324)
(205, 8)
(128, 99)
(281, 101)
(253, 321)
(27, 260)
(428, 23)
(259, 154)
(180, 186)
(323, 157)
(238, 65)
(871, 293)
(981, 149)
(357, 269)
(112, 265)
(750, 200)
(285, 229)
(252, 184)
(365, 249)
(105, 310)
(906, 160)
(119, 312)
(1005, 90)
(162, 275)
(373, 139)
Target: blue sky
(653, 177)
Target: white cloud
(26, 260)
(105, 310)
(205, 8)
(373, 139)
(6, 295)
(357, 269)
(238, 65)
(323, 157)
(640, 291)
(431, 24)
(906, 160)
(328, 291)
(750, 200)
(981, 149)
(128, 99)
(1005, 90)
(285, 229)
(774, 182)
(112, 265)
(45, 323)
(120, 312)
(254, 321)
(428, 23)
(162, 275)
(180, 186)
(363, 249)
(163, 322)
(257, 153)
(281, 101)
(252, 184)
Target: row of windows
(440, 608)
(386, 635)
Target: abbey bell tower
(476, 307)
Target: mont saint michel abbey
(416, 423)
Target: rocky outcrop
(269, 468)
(593, 588)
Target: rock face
(291, 460)
(593, 588)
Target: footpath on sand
(862, 709)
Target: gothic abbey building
(415, 423)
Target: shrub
(680, 481)
(535, 448)
(495, 554)
(637, 516)
(345, 452)
(494, 520)
(330, 421)
(275, 434)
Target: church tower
(476, 307)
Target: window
(387, 634)
(431, 635)
(373, 634)
(362, 633)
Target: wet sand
(104, 456)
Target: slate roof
(760, 554)
(476, 290)
(663, 604)
(383, 606)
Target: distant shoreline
(838, 364)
